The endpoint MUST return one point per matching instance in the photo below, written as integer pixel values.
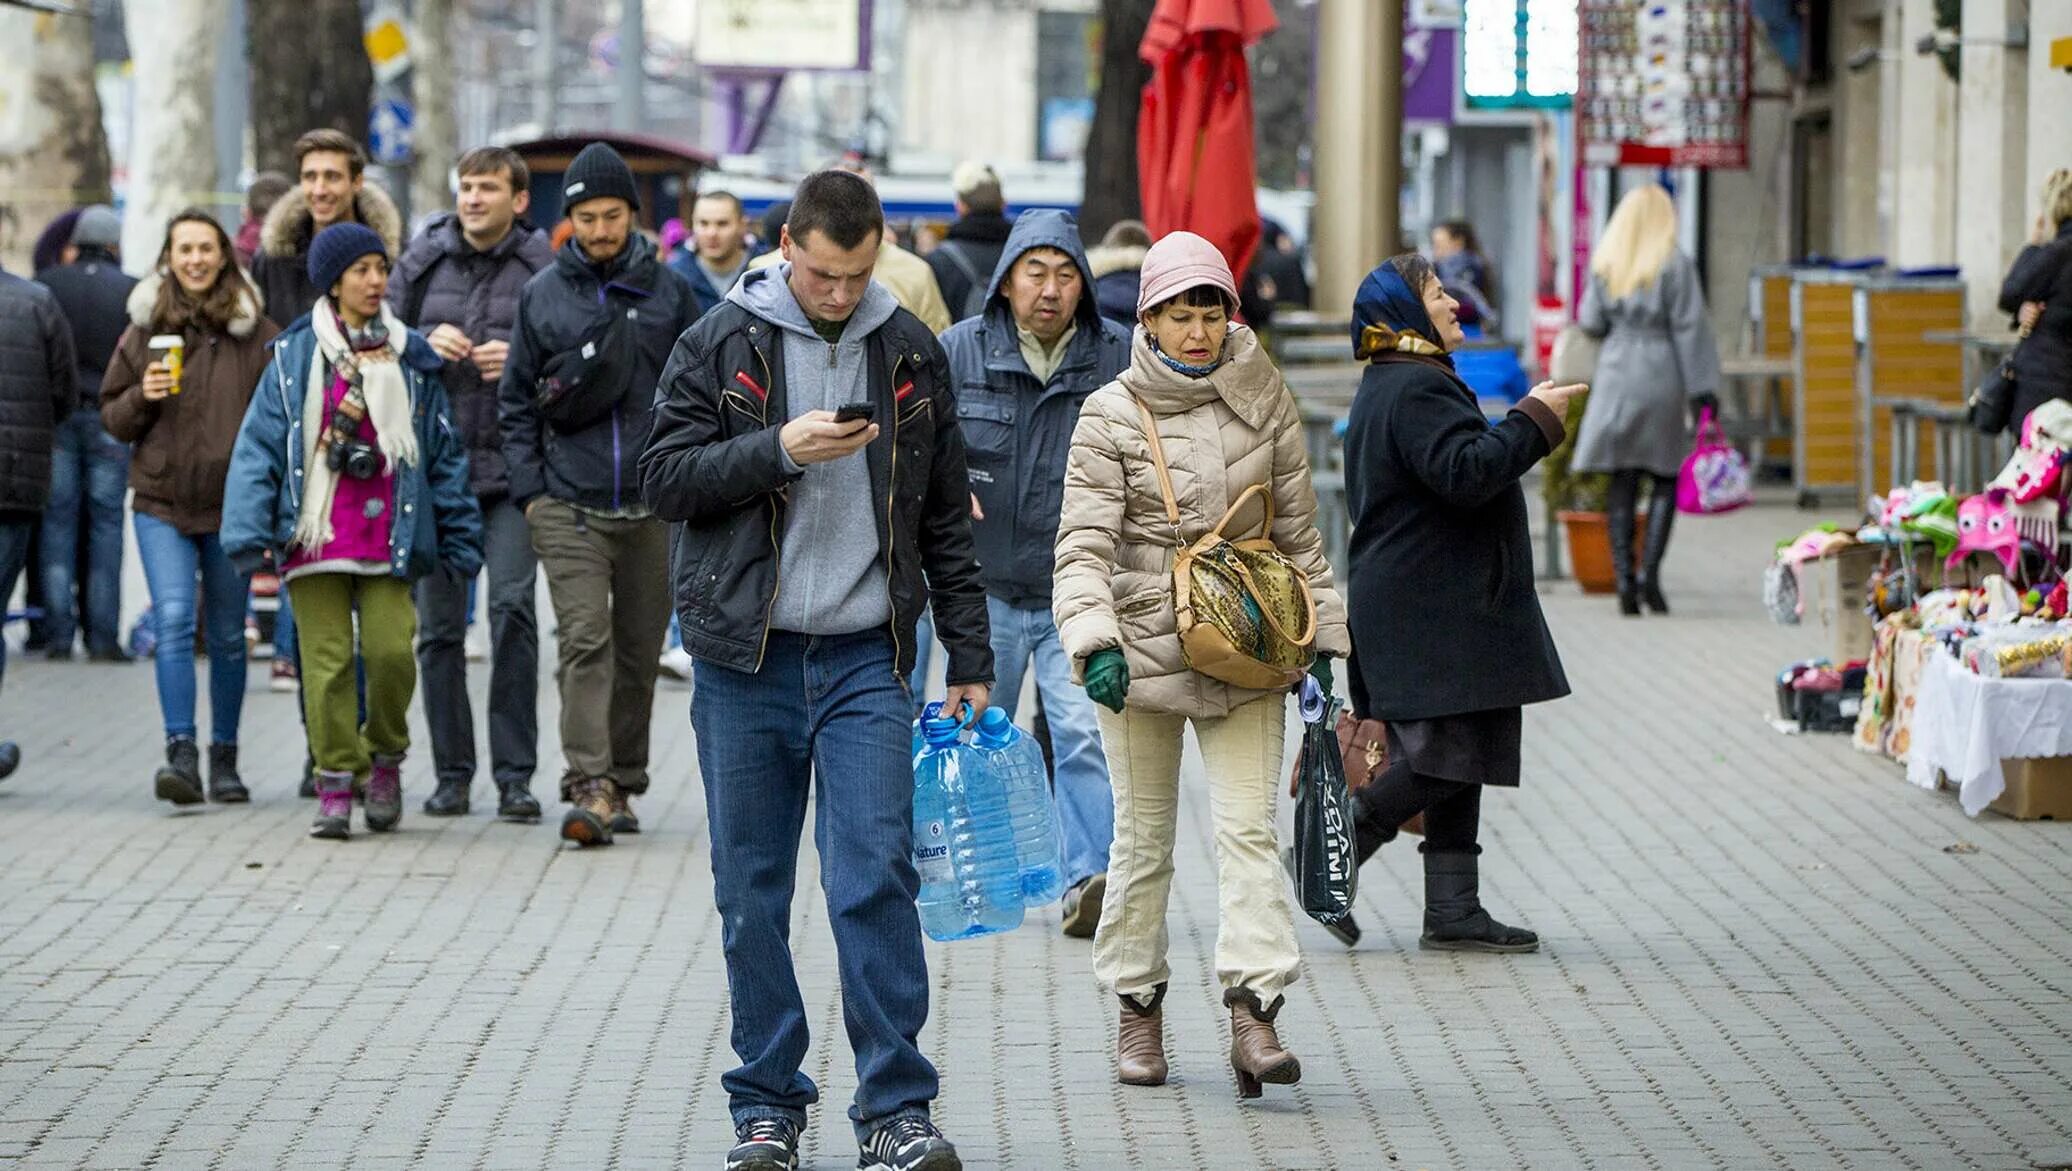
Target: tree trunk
(309, 70)
(1112, 191)
(172, 151)
(436, 140)
(53, 150)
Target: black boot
(309, 778)
(449, 798)
(10, 758)
(1454, 919)
(1661, 516)
(515, 802)
(1618, 519)
(225, 786)
(179, 779)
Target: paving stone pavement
(1757, 954)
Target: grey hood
(1042, 227)
(766, 292)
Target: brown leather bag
(1363, 745)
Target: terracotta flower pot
(1590, 549)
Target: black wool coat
(1444, 617)
(2043, 362)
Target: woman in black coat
(2038, 291)
(1448, 641)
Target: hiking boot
(225, 786)
(515, 802)
(1083, 906)
(623, 820)
(334, 806)
(765, 1144)
(588, 821)
(908, 1144)
(384, 798)
(449, 798)
(179, 779)
(1256, 1053)
(1454, 919)
(1140, 1058)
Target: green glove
(1320, 670)
(1107, 679)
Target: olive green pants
(326, 605)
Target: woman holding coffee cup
(177, 390)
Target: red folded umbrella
(1194, 128)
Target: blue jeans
(1079, 779)
(831, 709)
(284, 630)
(173, 561)
(89, 475)
(15, 536)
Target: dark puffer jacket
(970, 251)
(38, 373)
(281, 270)
(598, 466)
(93, 293)
(443, 280)
(2043, 363)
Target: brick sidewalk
(1757, 955)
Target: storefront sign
(1664, 83)
(1518, 53)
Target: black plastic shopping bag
(1327, 871)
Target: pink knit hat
(1179, 262)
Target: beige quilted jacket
(1114, 582)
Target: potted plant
(1578, 499)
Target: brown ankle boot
(1140, 1042)
(1256, 1054)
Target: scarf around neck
(388, 408)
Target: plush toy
(1985, 524)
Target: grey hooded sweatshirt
(834, 574)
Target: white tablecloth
(1965, 725)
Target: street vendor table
(1966, 724)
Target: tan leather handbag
(1246, 614)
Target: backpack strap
(975, 300)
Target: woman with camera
(176, 391)
(348, 477)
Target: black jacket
(443, 280)
(716, 465)
(2043, 364)
(597, 466)
(93, 292)
(977, 241)
(1444, 617)
(38, 387)
(281, 268)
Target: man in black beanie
(575, 405)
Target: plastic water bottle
(963, 843)
(1012, 756)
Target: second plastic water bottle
(1013, 757)
(963, 844)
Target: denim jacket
(440, 522)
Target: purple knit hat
(1179, 262)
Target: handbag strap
(1709, 428)
(1158, 461)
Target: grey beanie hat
(98, 227)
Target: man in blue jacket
(1022, 368)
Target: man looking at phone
(806, 546)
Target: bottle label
(932, 852)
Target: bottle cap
(995, 730)
(940, 731)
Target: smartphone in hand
(852, 412)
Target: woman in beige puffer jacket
(1226, 422)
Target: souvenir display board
(1664, 83)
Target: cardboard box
(1834, 602)
(2038, 788)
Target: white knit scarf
(388, 408)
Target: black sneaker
(908, 1144)
(766, 1144)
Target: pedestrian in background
(607, 311)
(89, 467)
(181, 431)
(2038, 291)
(716, 252)
(1658, 365)
(331, 188)
(38, 387)
(266, 190)
(1118, 265)
(1466, 271)
(458, 285)
(1227, 422)
(969, 253)
(349, 478)
(1448, 640)
(1022, 369)
(798, 682)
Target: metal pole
(629, 111)
(546, 93)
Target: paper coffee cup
(170, 348)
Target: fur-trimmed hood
(144, 298)
(288, 225)
(1108, 259)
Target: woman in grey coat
(1658, 361)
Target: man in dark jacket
(594, 329)
(38, 389)
(1022, 369)
(89, 474)
(717, 253)
(331, 187)
(458, 284)
(798, 676)
(972, 248)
